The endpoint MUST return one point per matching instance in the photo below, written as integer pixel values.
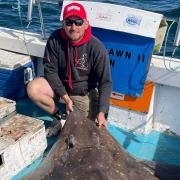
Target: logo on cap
(73, 7)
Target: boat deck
(155, 146)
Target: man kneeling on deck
(76, 70)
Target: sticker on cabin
(117, 95)
(104, 17)
(133, 21)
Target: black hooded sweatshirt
(87, 64)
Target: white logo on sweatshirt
(83, 63)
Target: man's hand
(69, 107)
(69, 103)
(101, 120)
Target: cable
(21, 23)
(164, 52)
(176, 69)
(41, 20)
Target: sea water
(13, 14)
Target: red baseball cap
(74, 9)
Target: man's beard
(74, 37)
